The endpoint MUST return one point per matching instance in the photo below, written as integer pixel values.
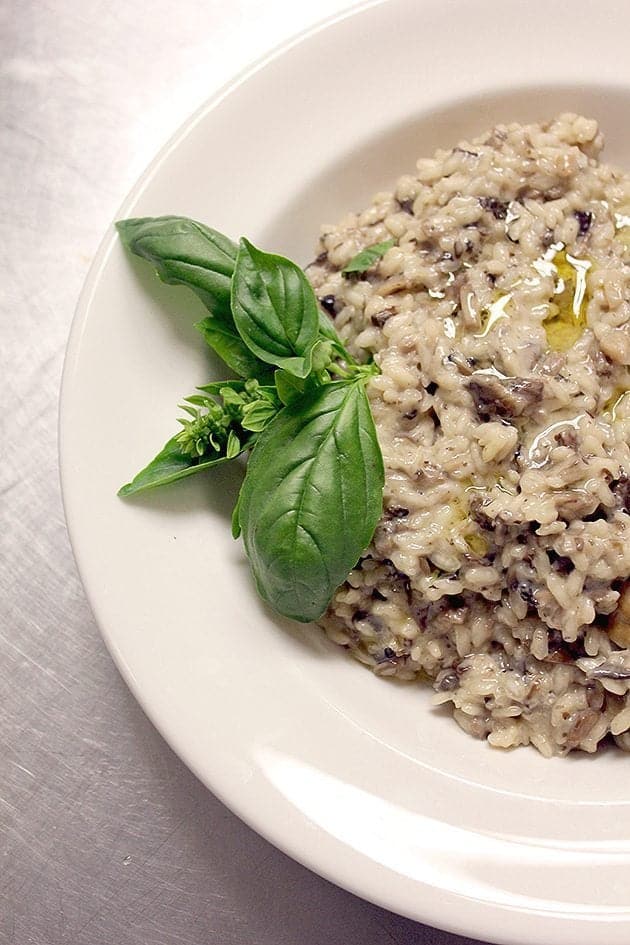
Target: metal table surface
(105, 836)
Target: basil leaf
(311, 498)
(171, 464)
(188, 253)
(275, 309)
(289, 388)
(257, 415)
(327, 330)
(231, 348)
(233, 447)
(321, 355)
(185, 252)
(367, 257)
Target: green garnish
(312, 493)
(367, 257)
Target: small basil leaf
(224, 340)
(233, 397)
(289, 387)
(322, 355)
(311, 498)
(185, 252)
(257, 415)
(367, 257)
(275, 309)
(171, 464)
(233, 447)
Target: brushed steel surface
(105, 836)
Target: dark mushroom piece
(619, 622)
(584, 218)
(498, 208)
(621, 491)
(504, 398)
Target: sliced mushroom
(394, 284)
(619, 623)
(504, 398)
(621, 491)
(584, 722)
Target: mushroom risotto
(499, 317)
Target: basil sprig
(312, 493)
(220, 424)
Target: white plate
(353, 776)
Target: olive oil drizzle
(566, 319)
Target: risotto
(499, 318)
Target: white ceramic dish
(355, 777)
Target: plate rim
(72, 353)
